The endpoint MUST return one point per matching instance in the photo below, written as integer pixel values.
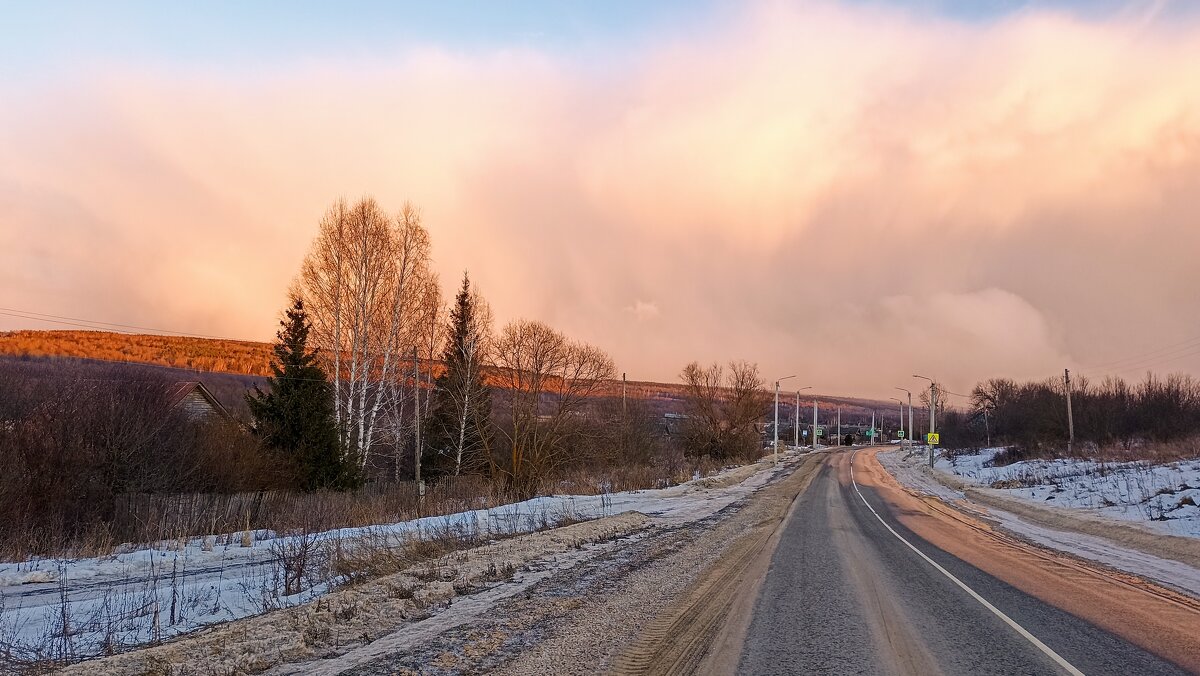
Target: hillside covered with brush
(201, 354)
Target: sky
(852, 192)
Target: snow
(1163, 497)
(152, 593)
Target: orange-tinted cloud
(850, 192)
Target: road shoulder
(1159, 620)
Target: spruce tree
(295, 415)
(460, 420)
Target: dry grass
(357, 614)
(143, 519)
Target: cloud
(849, 191)
(643, 310)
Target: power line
(1127, 362)
(1167, 360)
(92, 323)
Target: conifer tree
(295, 415)
(459, 423)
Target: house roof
(185, 388)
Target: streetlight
(779, 380)
(932, 411)
(797, 430)
(898, 401)
(911, 429)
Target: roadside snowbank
(359, 622)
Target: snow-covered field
(1165, 497)
(82, 607)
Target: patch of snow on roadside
(1166, 497)
(135, 597)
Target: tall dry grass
(149, 518)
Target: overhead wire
(91, 323)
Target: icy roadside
(71, 609)
(1163, 497)
(1087, 533)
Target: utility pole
(1070, 416)
(839, 439)
(777, 416)
(901, 419)
(624, 384)
(912, 431)
(796, 430)
(624, 415)
(874, 432)
(932, 417)
(776, 422)
(814, 424)
(932, 411)
(417, 426)
(901, 402)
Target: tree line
(373, 377)
(1110, 413)
(77, 436)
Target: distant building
(196, 402)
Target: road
(857, 585)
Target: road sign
(804, 432)
(933, 439)
(900, 434)
(871, 433)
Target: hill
(248, 358)
(200, 354)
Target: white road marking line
(999, 613)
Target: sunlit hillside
(251, 358)
(202, 354)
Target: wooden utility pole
(797, 429)
(624, 417)
(623, 386)
(417, 425)
(1070, 415)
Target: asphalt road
(845, 595)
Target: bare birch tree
(364, 281)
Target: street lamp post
(814, 439)
(898, 401)
(911, 429)
(797, 429)
(777, 416)
(932, 411)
